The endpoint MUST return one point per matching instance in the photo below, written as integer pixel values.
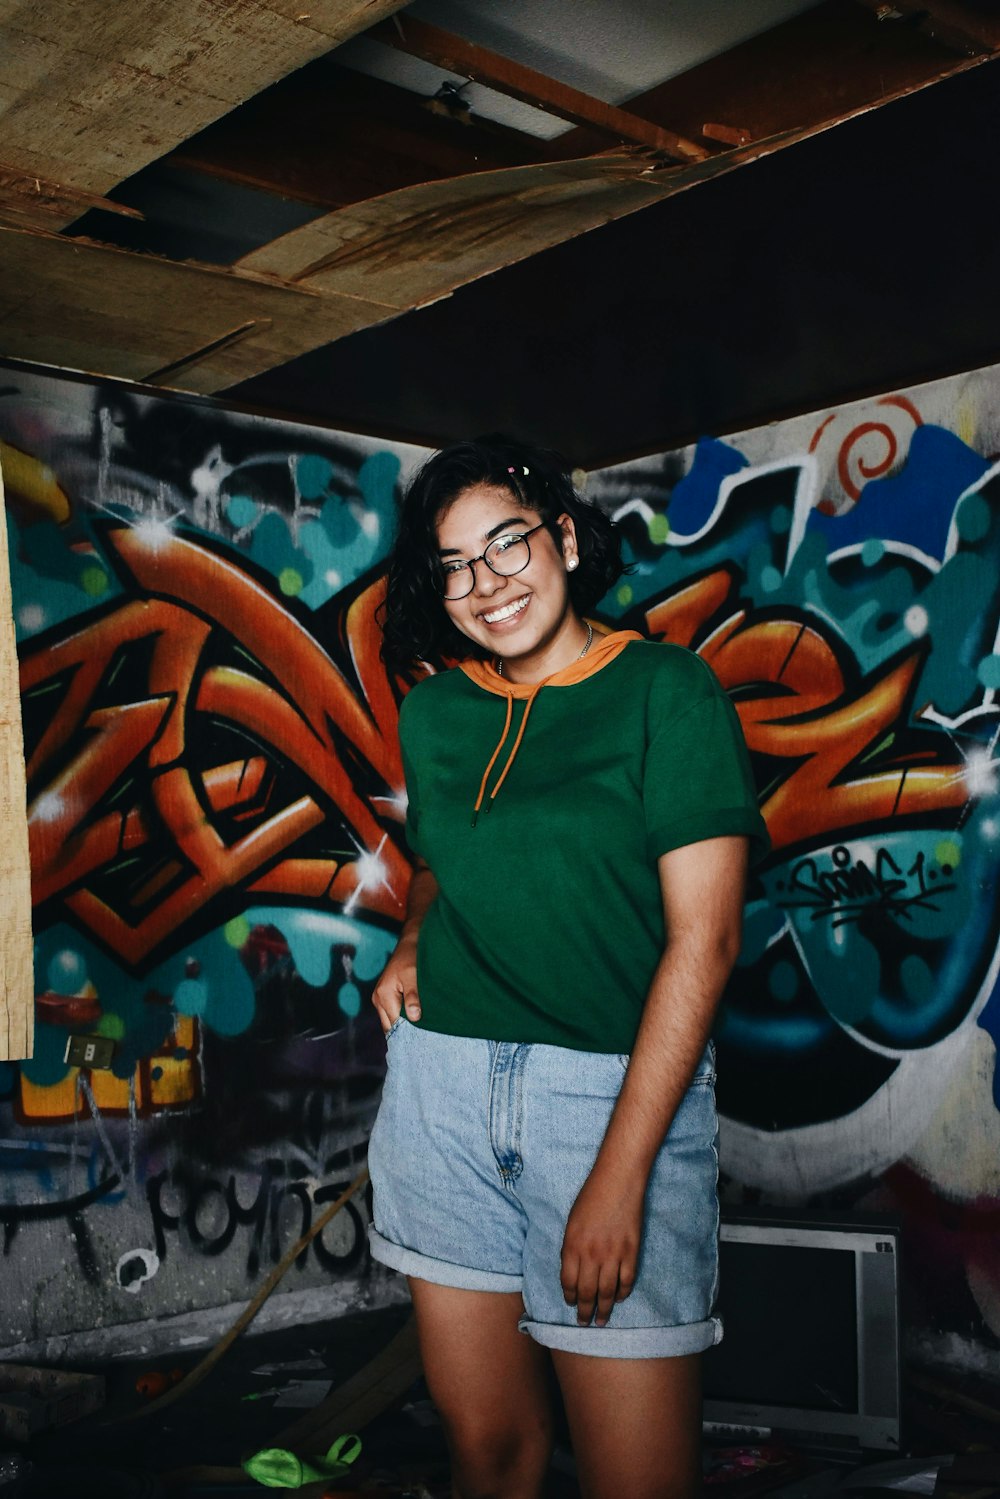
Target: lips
(505, 612)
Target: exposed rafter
(455, 55)
(831, 62)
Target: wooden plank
(103, 310)
(422, 242)
(17, 990)
(26, 199)
(362, 1397)
(456, 55)
(91, 93)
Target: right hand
(396, 990)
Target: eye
(504, 543)
(450, 569)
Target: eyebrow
(512, 520)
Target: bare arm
(397, 987)
(702, 886)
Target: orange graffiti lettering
(138, 826)
(841, 750)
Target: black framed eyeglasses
(505, 556)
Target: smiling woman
(518, 605)
(535, 495)
(544, 1156)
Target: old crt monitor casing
(810, 1307)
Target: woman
(544, 1161)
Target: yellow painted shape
(29, 480)
(111, 1093)
(178, 1080)
(56, 1101)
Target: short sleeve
(697, 781)
(410, 778)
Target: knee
(493, 1460)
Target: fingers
(626, 1280)
(411, 999)
(396, 993)
(593, 1286)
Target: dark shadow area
(855, 261)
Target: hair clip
(524, 471)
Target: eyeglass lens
(505, 556)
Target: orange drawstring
(529, 704)
(493, 761)
(517, 742)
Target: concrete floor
(216, 1426)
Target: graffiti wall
(216, 802)
(841, 574)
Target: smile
(497, 616)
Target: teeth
(507, 612)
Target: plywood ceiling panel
(95, 308)
(92, 92)
(420, 243)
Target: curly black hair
(415, 625)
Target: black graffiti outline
(846, 892)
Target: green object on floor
(276, 1468)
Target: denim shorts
(477, 1156)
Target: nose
(487, 582)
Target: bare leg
(635, 1423)
(488, 1382)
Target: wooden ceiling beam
(456, 55)
(332, 136)
(813, 71)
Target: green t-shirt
(549, 921)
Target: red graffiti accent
(814, 443)
(905, 404)
(792, 666)
(869, 470)
(848, 452)
(70, 1010)
(852, 760)
(150, 757)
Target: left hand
(600, 1250)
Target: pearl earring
(572, 564)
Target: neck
(569, 648)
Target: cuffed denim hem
(626, 1342)
(438, 1272)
